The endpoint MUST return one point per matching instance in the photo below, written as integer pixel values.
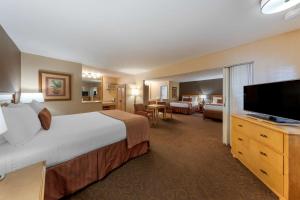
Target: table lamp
(3, 129)
(135, 93)
(203, 97)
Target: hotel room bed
(188, 105)
(79, 149)
(213, 111)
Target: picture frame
(55, 86)
(174, 92)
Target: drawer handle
(263, 171)
(263, 135)
(240, 139)
(240, 153)
(263, 154)
(240, 125)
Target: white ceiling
(195, 76)
(134, 36)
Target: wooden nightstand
(24, 184)
(200, 108)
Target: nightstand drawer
(271, 138)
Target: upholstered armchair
(140, 109)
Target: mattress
(183, 104)
(69, 136)
(216, 107)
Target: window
(164, 92)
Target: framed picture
(55, 86)
(174, 92)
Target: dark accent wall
(208, 87)
(10, 64)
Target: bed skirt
(73, 175)
(187, 111)
(213, 114)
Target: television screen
(280, 99)
(85, 93)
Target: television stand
(275, 120)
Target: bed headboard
(217, 98)
(193, 97)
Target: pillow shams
(22, 123)
(36, 106)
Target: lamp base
(2, 177)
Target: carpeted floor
(187, 161)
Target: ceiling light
(275, 6)
(292, 14)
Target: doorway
(121, 97)
(235, 78)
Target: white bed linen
(183, 104)
(217, 107)
(69, 136)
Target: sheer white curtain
(235, 78)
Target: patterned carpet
(187, 161)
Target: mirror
(92, 89)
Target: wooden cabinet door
(121, 97)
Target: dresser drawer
(242, 153)
(269, 176)
(272, 139)
(240, 138)
(241, 126)
(263, 154)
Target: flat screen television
(276, 100)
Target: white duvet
(215, 107)
(183, 104)
(69, 136)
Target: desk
(24, 184)
(156, 108)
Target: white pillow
(215, 100)
(194, 98)
(37, 106)
(22, 123)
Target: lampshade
(203, 96)
(275, 6)
(3, 127)
(134, 92)
(29, 97)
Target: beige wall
(10, 64)
(171, 85)
(275, 58)
(109, 95)
(154, 87)
(30, 66)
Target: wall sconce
(29, 97)
(91, 75)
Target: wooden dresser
(24, 184)
(271, 152)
